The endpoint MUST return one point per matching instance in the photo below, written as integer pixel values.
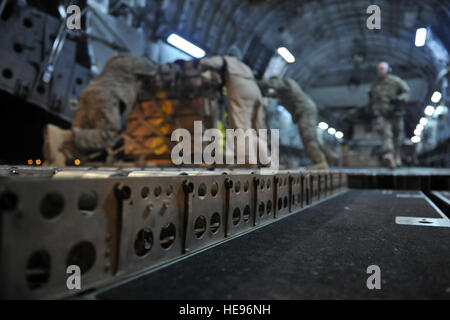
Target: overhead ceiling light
(339, 135)
(62, 11)
(429, 110)
(439, 110)
(332, 131)
(286, 54)
(417, 132)
(436, 97)
(419, 127)
(323, 125)
(185, 46)
(415, 139)
(423, 121)
(421, 36)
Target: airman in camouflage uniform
(103, 107)
(387, 92)
(107, 100)
(304, 113)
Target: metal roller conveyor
(116, 223)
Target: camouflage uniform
(303, 111)
(107, 100)
(389, 120)
(104, 105)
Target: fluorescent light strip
(436, 97)
(429, 110)
(286, 55)
(339, 135)
(421, 36)
(323, 125)
(439, 110)
(185, 46)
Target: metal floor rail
(117, 223)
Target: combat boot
(55, 141)
(319, 166)
(389, 161)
